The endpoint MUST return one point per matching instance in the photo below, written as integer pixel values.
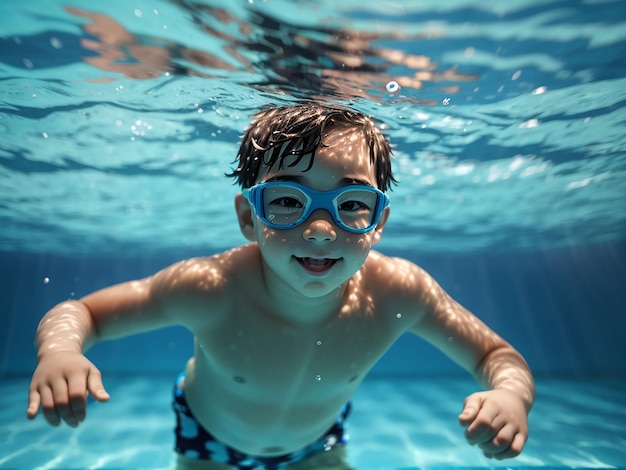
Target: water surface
(119, 119)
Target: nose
(319, 229)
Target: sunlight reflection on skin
(62, 330)
(358, 303)
(498, 366)
(199, 274)
(504, 364)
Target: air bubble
(56, 43)
(398, 315)
(318, 378)
(318, 342)
(529, 124)
(331, 441)
(392, 87)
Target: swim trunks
(194, 441)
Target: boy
(287, 327)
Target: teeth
(317, 261)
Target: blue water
(575, 424)
(508, 125)
(508, 134)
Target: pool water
(574, 424)
(118, 120)
(505, 108)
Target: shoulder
(206, 274)
(380, 267)
(400, 281)
(198, 284)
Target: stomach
(260, 421)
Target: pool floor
(395, 424)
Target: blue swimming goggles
(284, 205)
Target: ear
(245, 217)
(378, 231)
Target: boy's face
(317, 256)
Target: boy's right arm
(64, 376)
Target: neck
(294, 307)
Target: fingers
(472, 405)
(66, 400)
(492, 432)
(95, 386)
(486, 424)
(77, 400)
(48, 407)
(498, 441)
(514, 449)
(62, 401)
(66, 393)
(34, 400)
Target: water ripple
(498, 112)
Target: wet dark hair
(298, 130)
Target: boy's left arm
(496, 419)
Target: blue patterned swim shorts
(193, 441)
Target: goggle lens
(355, 208)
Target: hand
(60, 385)
(496, 421)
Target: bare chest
(319, 359)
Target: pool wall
(564, 309)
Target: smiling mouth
(316, 265)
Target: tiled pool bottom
(399, 423)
